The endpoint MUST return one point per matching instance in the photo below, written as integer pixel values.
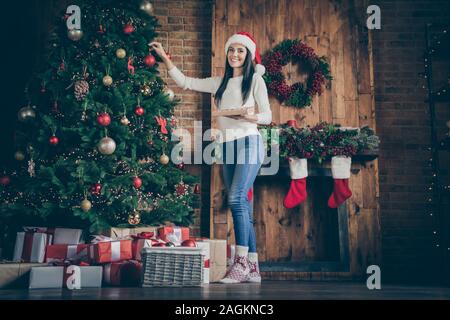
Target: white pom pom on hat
(249, 42)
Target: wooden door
(337, 30)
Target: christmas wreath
(299, 94)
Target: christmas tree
(93, 139)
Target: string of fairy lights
(435, 187)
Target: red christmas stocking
(340, 169)
(297, 191)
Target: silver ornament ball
(75, 34)
(106, 146)
(170, 93)
(26, 114)
(147, 7)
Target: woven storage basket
(171, 267)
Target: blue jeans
(246, 156)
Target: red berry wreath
(299, 94)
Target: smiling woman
(243, 151)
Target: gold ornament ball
(121, 53)
(19, 156)
(164, 159)
(170, 94)
(107, 80)
(146, 90)
(448, 124)
(106, 146)
(86, 205)
(26, 114)
(147, 7)
(134, 219)
(125, 121)
(75, 34)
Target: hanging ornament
(104, 119)
(181, 188)
(147, 7)
(197, 188)
(149, 60)
(75, 34)
(124, 121)
(164, 159)
(19, 156)
(130, 66)
(146, 90)
(5, 180)
(180, 165)
(169, 93)
(139, 111)
(107, 80)
(101, 29)
(62, 66)
(162, 122)
(134, 218)
(31, 168)
(189, 243)
(106, 146)
(96, 189)
(53, 140)
(86, 205)
(121, 53)
(137, 182)
(26, 114)
(128, 28)
(81, 89)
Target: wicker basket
(171, 267)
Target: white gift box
(53, 277)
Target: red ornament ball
(104, 119)
(159, 244)
(292, 123)
(128, 28)
(96, 189)
(53, 140)
(5, 180)
(197, 189)
(137, 182)
(149, 60)
(139, 111)
(189, 243)
(180, 165)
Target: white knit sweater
(230, 128)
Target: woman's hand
(158, 48)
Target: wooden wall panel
(306, 232)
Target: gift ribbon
(143, 235)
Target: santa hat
(249, 42)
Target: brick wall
(185, 33)
(409, 251)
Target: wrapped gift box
(124, 273)
(60, 235)
(176, 235)
(30, 246)
(56, 277)
(138, 245)
(120, 233)
(110, 251)
(61, 252)
(217, 260)
(13, 274)
(205, 246)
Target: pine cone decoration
(81, 89)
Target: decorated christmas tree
(94, 136)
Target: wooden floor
(268, 290)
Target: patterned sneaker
(239, 270)
(253, 275)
